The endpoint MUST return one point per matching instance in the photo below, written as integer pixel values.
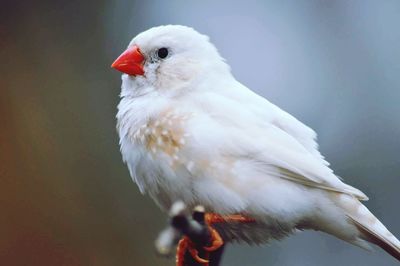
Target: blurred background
(66, 198)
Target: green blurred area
(65, 195)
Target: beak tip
(115, 64)
(130, 62)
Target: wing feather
(274, 138)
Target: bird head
(168, 57)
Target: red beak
(130, 62)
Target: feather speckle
(164, 135)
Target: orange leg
(213, 218)
(195, 254)
(216, 240)
(185, 244)
(181, 250)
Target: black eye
(162, 53)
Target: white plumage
(189, 131)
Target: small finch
(190, 132)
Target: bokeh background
(65, 196)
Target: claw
(216, 240)
(186, 245)
(213, 218)
(195, 254)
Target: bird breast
(164, 135)
(155, 150)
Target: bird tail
(372, 230)
(386, 240)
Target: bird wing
(271, 113)
(274, 139)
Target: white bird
(190, 131)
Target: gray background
(67, 199)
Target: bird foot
(186, 245)
(216, 240)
